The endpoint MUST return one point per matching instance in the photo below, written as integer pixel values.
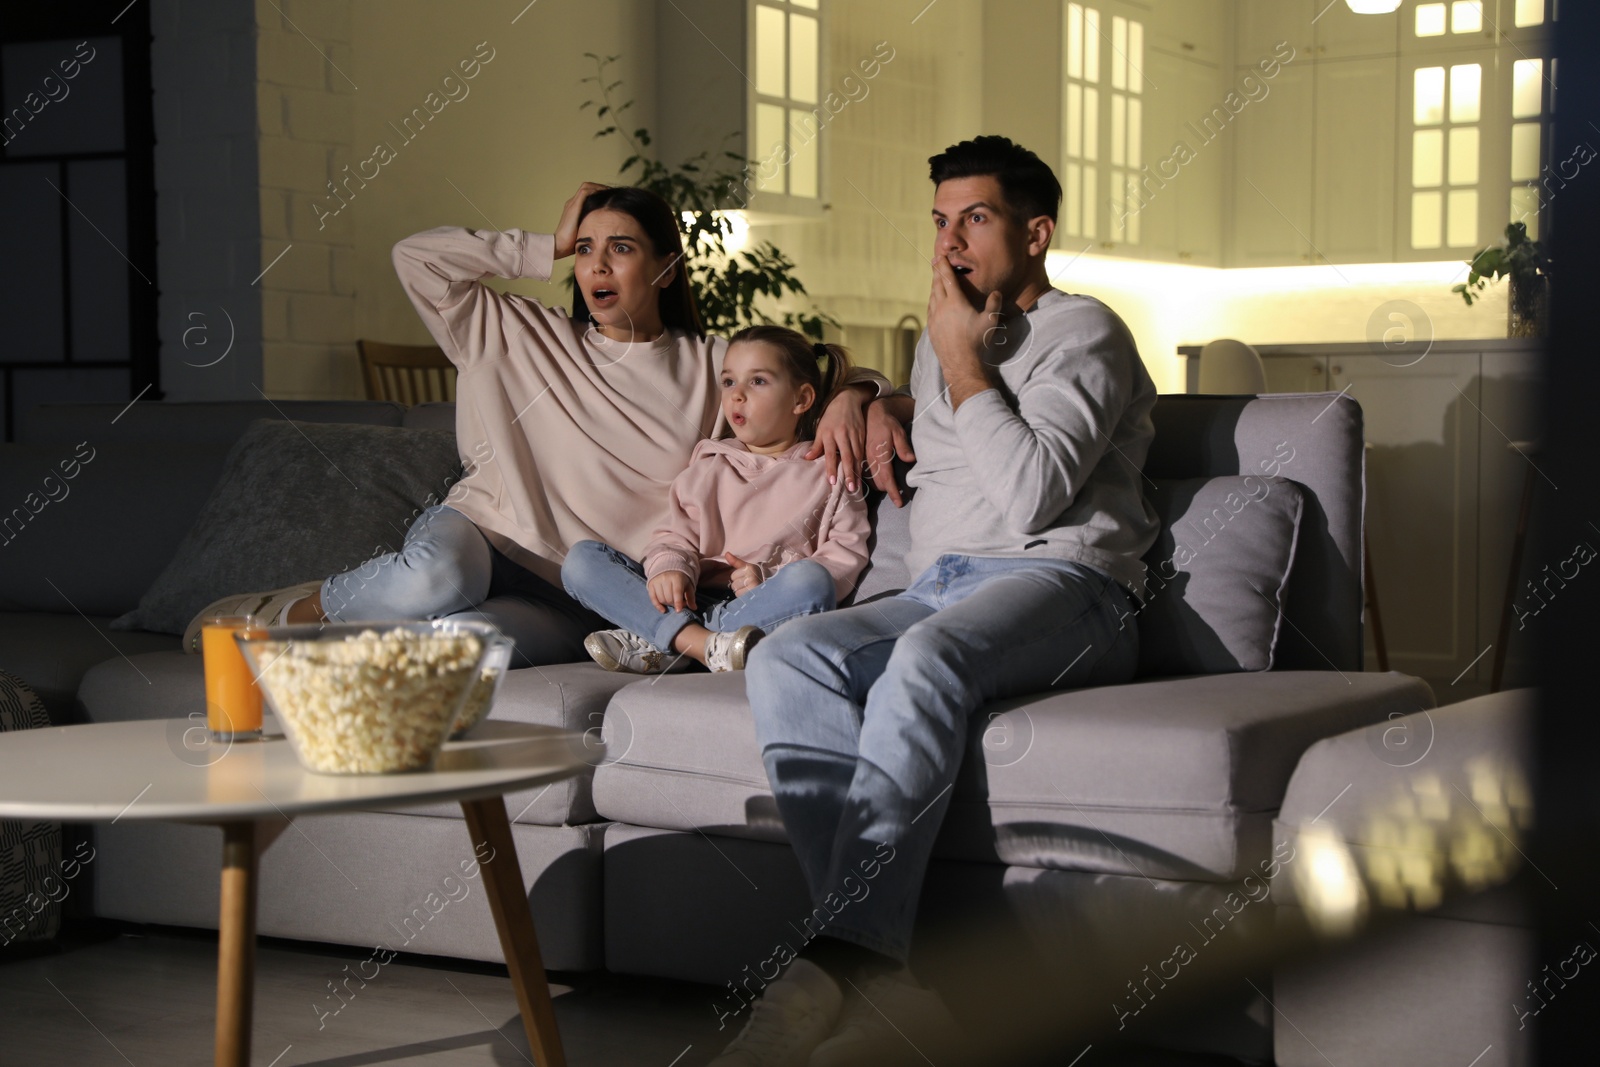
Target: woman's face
(620, 275)
(759, 399)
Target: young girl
(571, 427)
(754, 534)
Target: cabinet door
(1263, 24)
(1193, 29)
(1165, 101)
(1182, 189)
(1355, 160)
(1341, 33)
(1199, 183)
(1510, 402)
(1423, 430)
(1296, 374)
(1272, 173)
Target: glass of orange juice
(233, 700)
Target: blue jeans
(613, 584)
(862, 715)
(446, 567)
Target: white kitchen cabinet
(1353, 160)
(1341, 33)
(1262, 24)
(1422, 504)
(1296, 374)
(1193, 29)
(1510, 402)
(1182, 216)
(1272, 176)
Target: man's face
(975, 229)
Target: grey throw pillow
(297, 501)
(1216, 573)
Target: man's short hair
(1029, 185)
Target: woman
(571, 428)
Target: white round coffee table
(106, 772)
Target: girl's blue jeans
(613, 584)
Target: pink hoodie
(768, 510)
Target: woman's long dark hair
(660, 224)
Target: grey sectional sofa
(1081, 820)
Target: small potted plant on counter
(1523, 261)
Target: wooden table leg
(508, 900)
(236, 943)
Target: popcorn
(372, 703)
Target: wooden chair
(406, 374)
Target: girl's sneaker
(729, 651)
(268, 608)
(624, 650)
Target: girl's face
(759, 399)
(620, 276)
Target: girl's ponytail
(832, 379)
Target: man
(1032, 419)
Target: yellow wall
(505, 153)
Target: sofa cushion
(93, 524)
(1168, 778)
(298, 501)
(1436, 777)
(434, 415)
(214, 422)
(1315, 440)
(1216, 574)
(52, 653)
(886, 572)
(171, 685)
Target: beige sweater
(566, 435)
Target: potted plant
(730, 288)
(1523, 262)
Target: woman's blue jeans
(446, 567)
(862, 715)
(613, 584)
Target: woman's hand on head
(842, 436)
(567, 229)
(672, 591)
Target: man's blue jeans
(862, 715)
(613, 584)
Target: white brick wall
(303, 86)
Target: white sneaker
(729, 651)
(268, 608)
(624, 650)
(794, 1015)
(890, 1019)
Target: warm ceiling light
(1373, 7)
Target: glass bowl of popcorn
(480, 697)
(369, 698)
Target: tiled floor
(127, 996)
